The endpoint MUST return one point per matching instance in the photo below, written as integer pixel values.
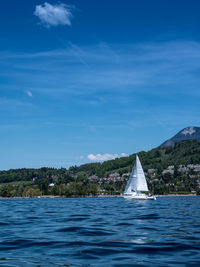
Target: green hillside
(185, 152)
(168, 170)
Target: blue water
(100, 232)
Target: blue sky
(89, 80)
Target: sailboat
(137, 183)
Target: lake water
(100, 232)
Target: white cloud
(54, 15)
(124, 155)
(104, 157)
(29, 93)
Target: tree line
(76, 181)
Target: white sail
(132, 178)
(141, 180)
(137, 181)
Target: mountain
(189, 133)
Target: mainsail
(137, 180)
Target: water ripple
(100, 231)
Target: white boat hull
(138, 197)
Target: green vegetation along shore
(169, 170)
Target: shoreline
(178, 195)
(107, 196)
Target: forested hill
(168, 170)
(183, 153)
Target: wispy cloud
(29, 93)
(130, 78)
(54, 15)
(140, 68)
(104, 157)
